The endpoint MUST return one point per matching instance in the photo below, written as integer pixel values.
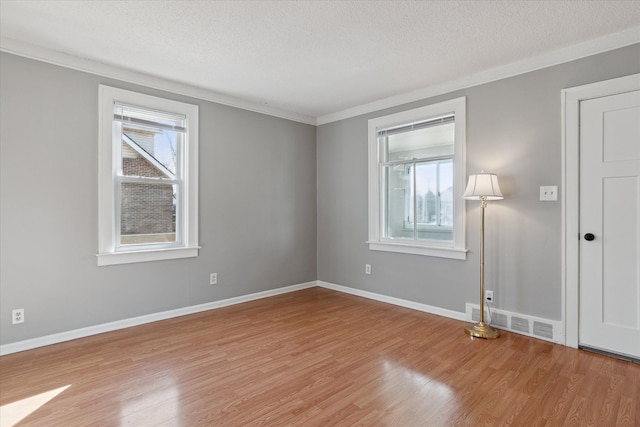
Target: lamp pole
(481, 329)
(484, 206)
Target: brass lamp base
(481, 330)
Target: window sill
(435, 251)
(113, 258)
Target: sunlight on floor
(12, 413)
(160, 407)
(413, 393)
(418, 382)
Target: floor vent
(519, 324)
(500, 320)
(542, 329)
(549, 330)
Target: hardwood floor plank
(317, 358)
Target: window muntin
(416, 176)
(148, 178)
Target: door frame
(570, 99)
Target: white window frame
(377, 241)
(109, 154)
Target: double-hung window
(416, 180)
(148, 178)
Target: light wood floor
(316, 358)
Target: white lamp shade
(483, 185)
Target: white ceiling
(316, 61)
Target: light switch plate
(549, 193)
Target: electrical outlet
(549, 193)
(213, 279)
(488, 296)
(367, 269)
(17, 316)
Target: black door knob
(589, 237)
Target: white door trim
(571, 99)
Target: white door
(610, 224)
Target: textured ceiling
(313, 58)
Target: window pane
(426, 193)
(434, 141)
(446, 193)
(398, 201)
(150, 153)
(434, 200)
(148, 213)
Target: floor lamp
(483, 187)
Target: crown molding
(581, 50)
(66, 60)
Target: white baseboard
(531, 326)
(395, 301)
(140, 320)
(556, 326)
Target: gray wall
(258, 203)
(257, 207)
(513, 130)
